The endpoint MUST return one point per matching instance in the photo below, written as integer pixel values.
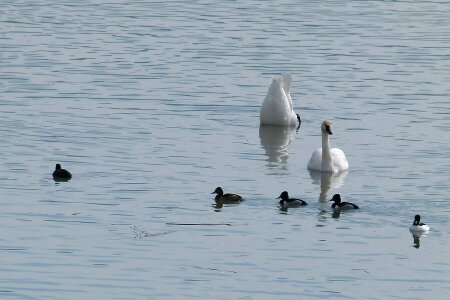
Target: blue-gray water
(152, 105)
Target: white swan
(326, 159)
(277, 107)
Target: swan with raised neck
(327, 159)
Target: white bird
(417, 227)
(326, 159)
(277, 108)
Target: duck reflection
(416, 239)
(219, 205)
(336, 213)
(327, 180)
(275, 141)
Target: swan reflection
(327, 180)
(275, 141)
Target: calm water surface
(152, 105)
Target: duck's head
(284, 196)
(58, 167)
(218, 191)
(417, 220)
(336, 198)
(326, 127)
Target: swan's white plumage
(339, 162)
(277, 107)
(328, 160)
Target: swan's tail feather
(287, 81)
(277, 108)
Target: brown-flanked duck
(222, 198)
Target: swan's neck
(326, 153)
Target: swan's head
(326, 127)
(218, 191)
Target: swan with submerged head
(277, 108)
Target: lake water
(152, 105)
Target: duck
(286, 202)
(277, 108)
(327, 159)
(61, 174)
(338, 204)
(418, 227)
(222, 198)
